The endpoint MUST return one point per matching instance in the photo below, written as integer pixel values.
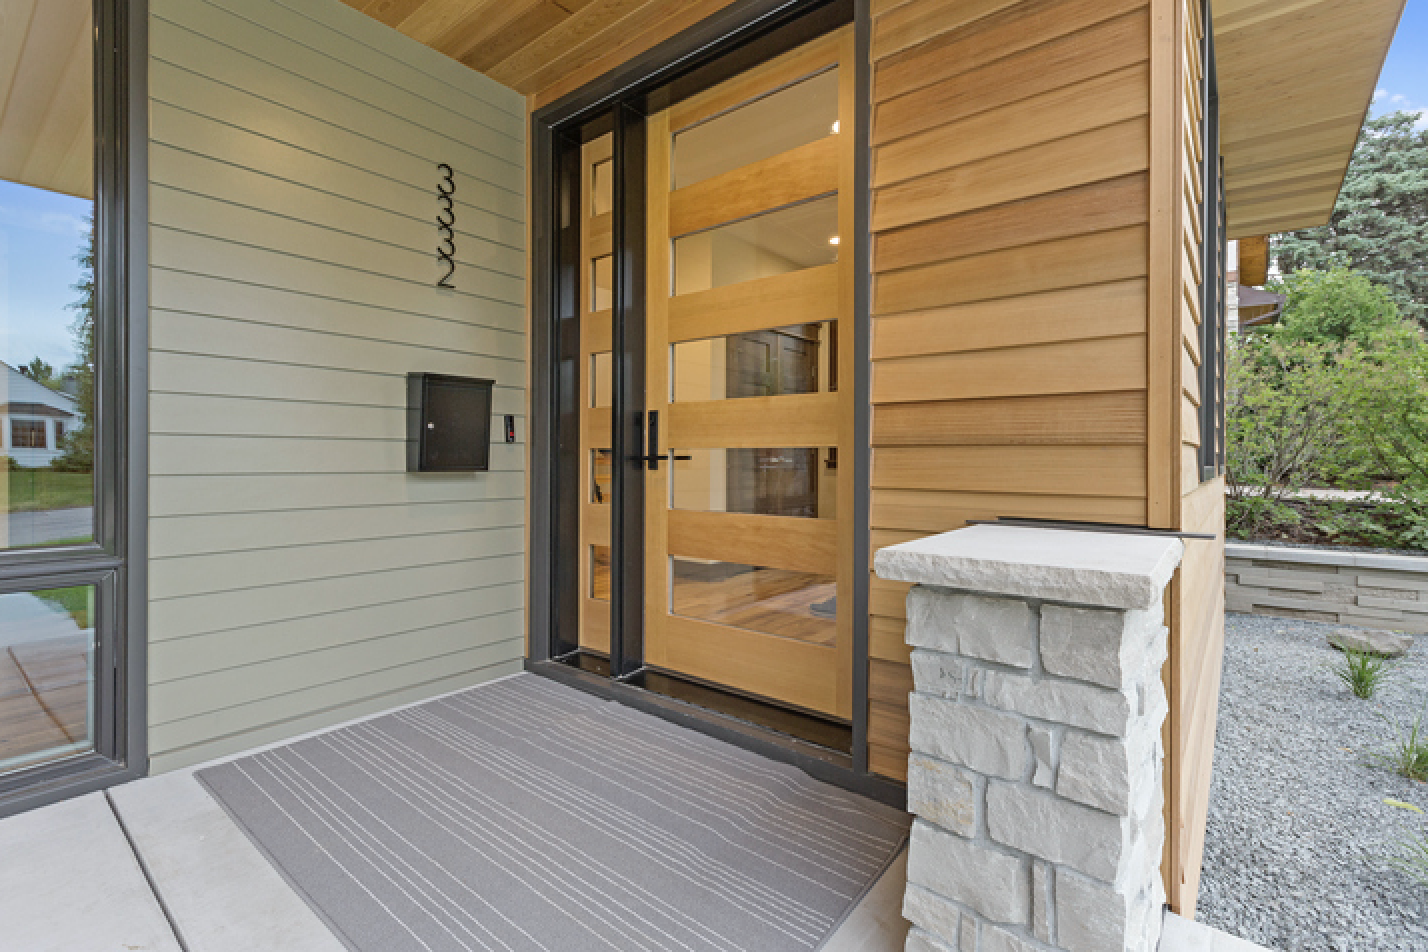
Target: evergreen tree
(78, 445)
(1380, 223)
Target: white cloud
(1379, 94)
(1398, 99)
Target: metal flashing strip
(1012, 522)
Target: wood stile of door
(596, 337)
(812, 673)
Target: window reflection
(789, 481)
(46, 675)
(47, 276)
(798, 605)
(784, 119)
(777, 242)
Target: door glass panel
(601, 383)
(600, 572)
(782, 360)
(47, 277)
(777, 242)
(602, 283)
(46, 675)
(600, 476)
(797, 482)
(602, 187)
(798, 605)
(776, 122)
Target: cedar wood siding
(1036, 317)
(1010, 219)
(299, 576)
(1196, 605)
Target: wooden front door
(747, 554)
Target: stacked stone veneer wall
(1368, 589)
(1036, 767)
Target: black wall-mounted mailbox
(448, 424)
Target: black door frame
(745, 33)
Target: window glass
(46, 675)
(799, 358)
(790, 604)
(759, 129)
(47, 276)
(787, 239)
(601, 475)
(789, 481)
(601, 382)
(600, 572)
(602, 187)
(602, 283)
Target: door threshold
(818, 761)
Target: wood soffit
(533, 46)
(1296, 76)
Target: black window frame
(115, 562)
(1213, 259)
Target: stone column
(1035, 772)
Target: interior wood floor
(772, 601)
(44, 698)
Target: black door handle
(653, 457)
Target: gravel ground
(1297, 819)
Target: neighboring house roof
(1296, 78)
(1259, 308)
(20, 394)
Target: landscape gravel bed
(1298, 826)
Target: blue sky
(40, 234)
(1403, 84)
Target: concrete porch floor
(158, 866)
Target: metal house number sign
(446, 225)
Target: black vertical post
(567, 558)
(861, 451)
(627, 516)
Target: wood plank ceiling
(1296, 79)
(46, 98)
(539, 47)
(1296, 76)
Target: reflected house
(33, 419)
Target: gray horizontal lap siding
(299, 576)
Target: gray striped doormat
(524, 815)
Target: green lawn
(31, 490)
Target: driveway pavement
(49, 525)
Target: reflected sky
(40, 235)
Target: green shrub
(1412, 856)
(1407, 754)
(1361, 672)
(1282, 414)
(1334, 306)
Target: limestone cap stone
(1110, 569)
